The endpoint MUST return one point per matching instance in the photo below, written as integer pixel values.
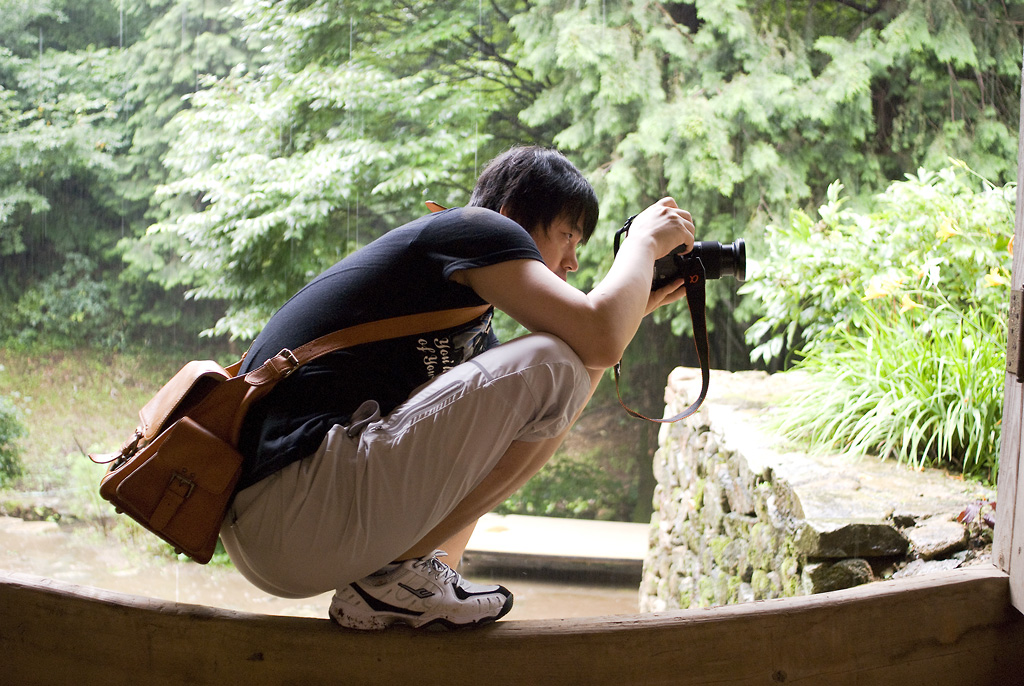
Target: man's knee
(543, 349)
(556, 376)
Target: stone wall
(740, 517)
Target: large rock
(821, 577)
(842, 538)
(938, 538)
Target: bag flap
(186, 449)
(198, 375)
(197, 454)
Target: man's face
(557, 245)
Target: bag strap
(287, 361)
(226, 405)
(696, 291)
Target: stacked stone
(738, 518)
(726, 537)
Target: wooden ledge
(950, 628)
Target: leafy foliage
(979, 514)
(11, 430)
(231, 149)
(70, 307)
(65, 159)
(331, 142)
(738, 109)
(575, 487)
(301, 130)
(57, 171)
(898, 318)
(741, 110)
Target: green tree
(58, 166)
(738, 109)
(741, 110)
(85, 88)
(361, 113)
(181, 43)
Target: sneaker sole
(381, 621)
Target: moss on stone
(760, 584)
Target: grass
(907, 392)
(73, 403)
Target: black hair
(537, 185)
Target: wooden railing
(951, 628)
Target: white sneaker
(421, 592)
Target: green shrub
(573, 487)
(11, 430)
(67, 308)
(897, 317)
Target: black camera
(718, 260)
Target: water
(86, 557)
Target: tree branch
(499, 12)
(861, 7)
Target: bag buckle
(291, 360)
(186, 485)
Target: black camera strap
(696, 300)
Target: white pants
(377, 487)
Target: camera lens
(731, 261)
(717, 260)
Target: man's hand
(667, 224)
(666, 295)
(670, 227)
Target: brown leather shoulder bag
(177, 473)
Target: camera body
(717, 260)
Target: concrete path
(547, 544)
